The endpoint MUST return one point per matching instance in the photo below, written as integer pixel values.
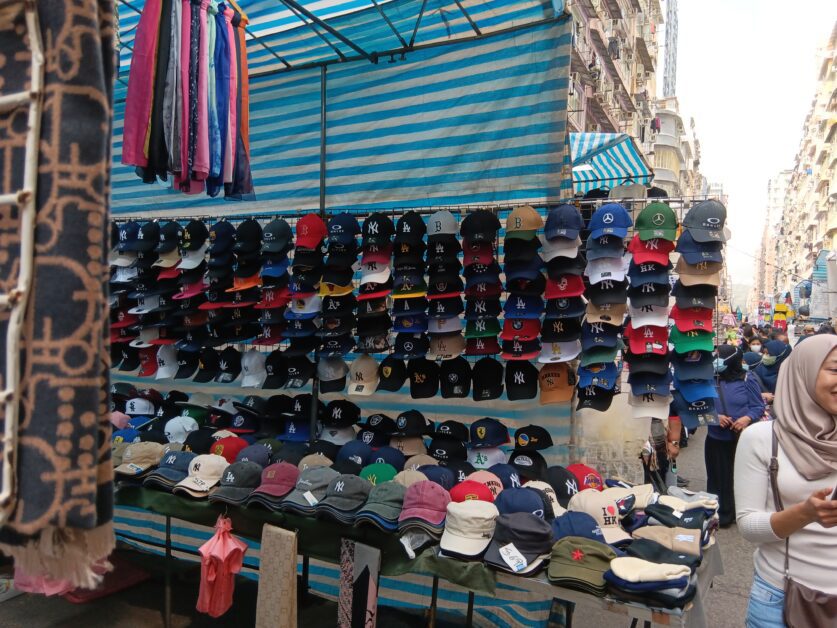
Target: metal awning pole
(310, 25)
(390, 24)
(293, 4)
(418, 22)
(468, 17)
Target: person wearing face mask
(804, 527)
(739, 404)
(774, 352)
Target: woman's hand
(672, 449)
(725, 420)
(739, 424)
(768, 397)
(820, 508)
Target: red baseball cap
(273, 298)
(310, 231)
(123, 319)
(566, 286)
(470, 489)
(655, 250)
(148, 361)
(190, 290)
(520, 329)
(169, 273)
(228, 447)
(691, 318)
(482, 346)
(484, 290)
(647, 339)
(376, 253)
(587, 477)
(477, 253)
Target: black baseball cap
(377, 229)
(248, 236)
(338, 275)
(568, 307)
(424, 378)
(455, 378)
(558, 266)
(453, 429)
(169, 236)
(199, 441)
(410, 228)
(411, 423)
(194, 236)
(408, 307)
(488, 432)
(221, 238)
(518, 250)
(487, 379)
(300, 370)
(649, 294)
(608, 291)
(381, 423)
(276, 236)
(374, 325)
(277, 372)
(339, 306)
(408, 255)
(563, 483)
(446, 448)
(647, 362)
(229, 365)
(476, 309)
(343, 228)
(187, 364)
(529, 464)
(372, 307)
(410, 346)
(337, 347)
(561, 329)
(392, 373)
(521, 380)
(443, 250)
(341, 413)
(130, 358)
(532, 437)
(695, 296)
(594, 398)
(449, 307)
(480, 226)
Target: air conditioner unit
(648, 74)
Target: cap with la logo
(557, 382)
(410, 228)
(657, 220)
(647, 339)
(523, 222)
(521, 380)
(237, 482)
(446, 346)
(520, 349)
(205, 471)
(518, 306)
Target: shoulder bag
(804, 607)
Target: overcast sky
(746, 71)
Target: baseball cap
(488, 327)
(563, 221)
(604, 510)
(599, 335)
(446, 346)
(557, 383)
(649, 294)
(606, 246)
(692, 318)
(257, 453)
(363, 376)
(440, 475)
(388, 455)
(408, 445)
(377, 229)
(700, 274)
(647, 339)
(523, 222)
(655, 250)
(613, 268)
(383, 506)
(482, 346)
(229, 447)
(569, 307)
(446, 449)
(277, 480)
(477, 309)
(486, 457)
(455, 378)
(529, 464)
(610, 313)
(563, 482)
(378, 473)
(488, 432)
(441, 225)
(652, 405)
(479, 226)
(205, 472)
(424, 501)
(529, 534)
(561, 330)
(705, 221)
(521, 380)
(487, 479)
(562, 256)
(610, 219)
(424, 378)
(469, 525)
(238, 481)
(487, 379)
(314, 480)
(657, 220)
(654, 315)
(559, 351)
(695, 389)
(694, 252)
(524, 499)
(520, 350)
(342, 229)
(564, 287)
(644, 383)
(178, 428)
(608, 291)
(648, 272)
(310, 231)
(173, 468)
(694, 340)
(586, 476)
(532, 437)
(410, 228)
(519, 306)
(694, 296)
(693, 365)
(138, 458)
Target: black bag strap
(774, 485)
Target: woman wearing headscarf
(739, 404)
(774, 353)
(806, 430)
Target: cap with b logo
(523, 222)
(469, 527)
(205, 472)
(442, 225)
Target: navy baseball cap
(508, 475)
(696, 389)
(519, 306)
(599, 335)
(606, 246)
(693, 365)
(221, 237)
(442, 476)
(599, 375)
(523, 270)
(356, 452)
(609, 291)
(564, 221)
(696, 413)
(644, 383)
(576, 523)
(409, 346)
(648, 272)
(411, 324)
(488, 432)
(565, 307)
(521, 499)
(257, 453)
(297, 430)
(373, 438)
(610, 219)
(695, 252)
(388, 455)
(343, 229)
(476, 309)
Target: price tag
(309, 497)
(513, 558)
(677, 514)
(135, 468)
(686, 538)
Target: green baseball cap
(597, 355)
(695, 340)
(483, 328)
(580, 563)
(656, 220)
(199, 413)
(378, 473)
(386, 500)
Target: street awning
(606, 160)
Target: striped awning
(606, 160)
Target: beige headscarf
(807, 433)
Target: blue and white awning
(606, 160)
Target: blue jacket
(736, 399)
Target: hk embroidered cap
(604, 510)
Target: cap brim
(363, 390)
(705, 235)
(492, 557)
(197, 490)
(615, 535)
(433, 517)
(230, 494)
(132, 469)
(651, 234)
(170, 476)
(464, 546)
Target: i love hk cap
(610, 219)
(657, 220)
(604, 510)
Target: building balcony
(644, 54)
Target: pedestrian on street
(805, 530)
(739, 404)
(807, 332)
(773, 354)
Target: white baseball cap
(559, 247)
(486, 457)
(649, 405)
(126, 274)
(166, 362)
(205, 471)
(139, 407)
(649, 315)
(612, 268)
(253, 369)
(442, 223)
(146, 335)
(363, 376)
(145, 304)
(338, 435)
(374, 272)
(123, 260)
(559, 351)
(192, 259)
(178, 428)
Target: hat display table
(143, 519)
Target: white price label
(513, 558)
(309, 497)
(685, 538)
(677, 514)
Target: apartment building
(809, 217)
